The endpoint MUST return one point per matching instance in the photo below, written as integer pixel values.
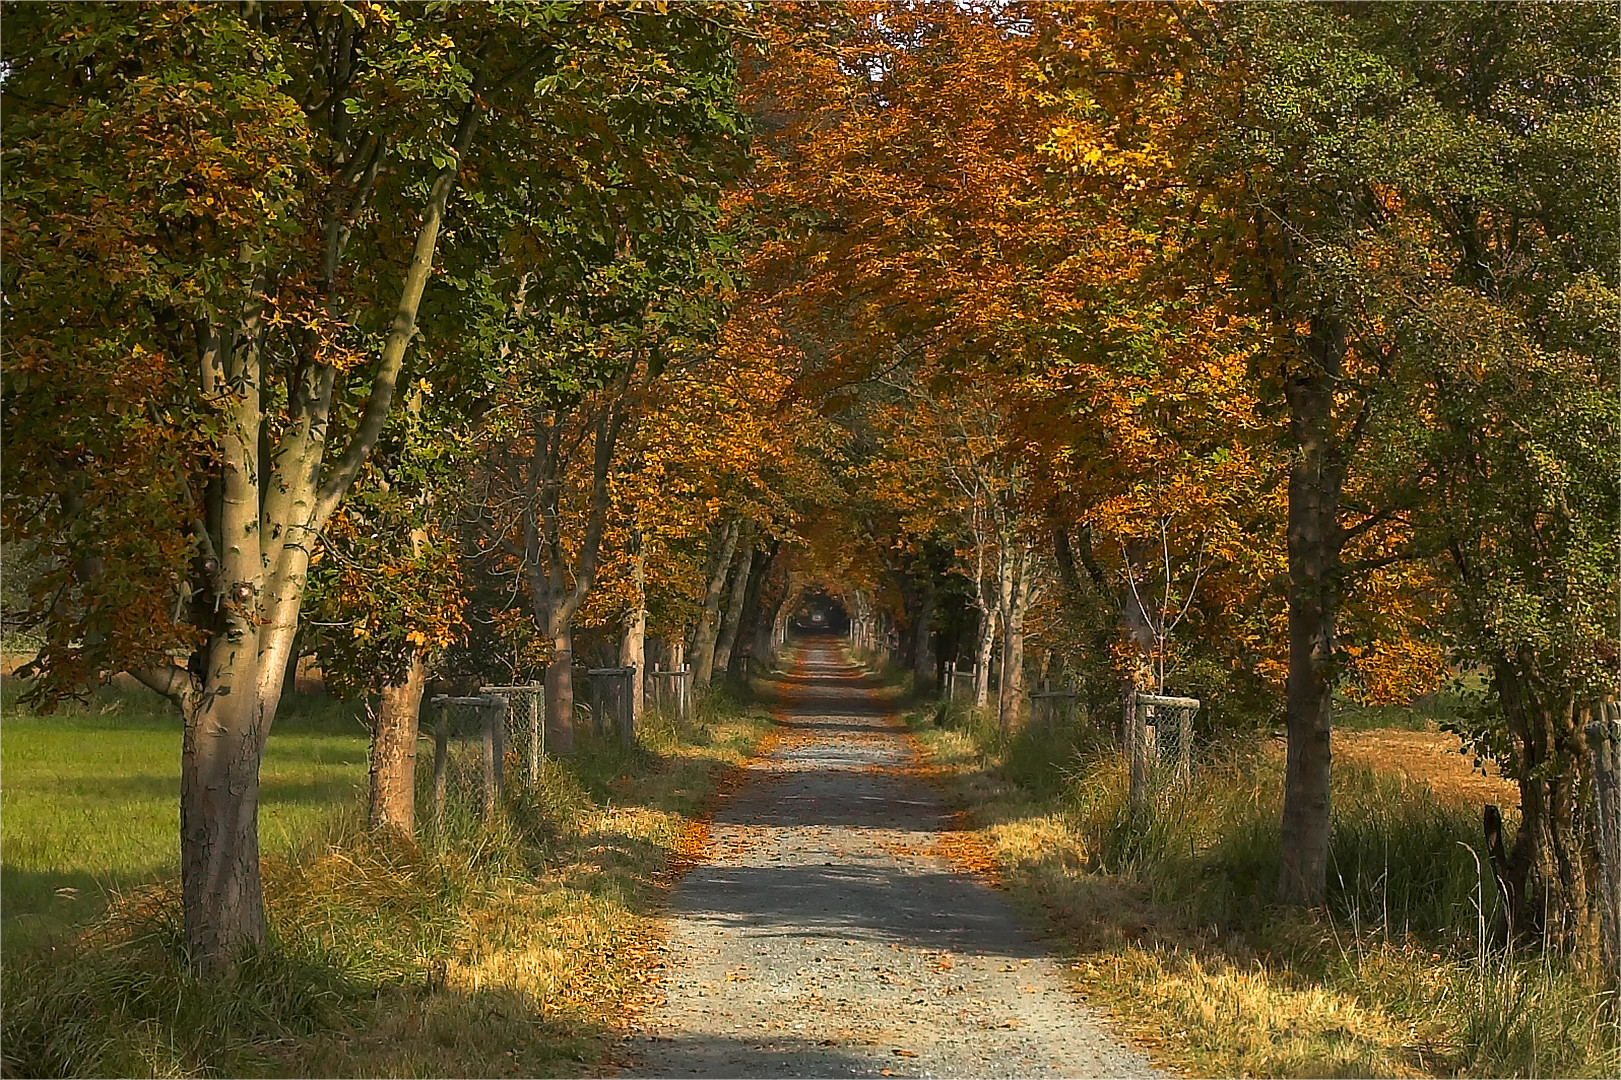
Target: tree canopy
(1262, 352)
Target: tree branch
(370, 428)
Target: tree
(1504, 293)
(230, 220)
(1315, 120)
(388, 594)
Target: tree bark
(923, 665)
(704, 637)
(759, 610)
(221, 894)
(733, 619)
(1314, 544)
(993, 616)
(227, 717)
(556, 588)
(1010, 695)
(983, 647)
(1552, 898)
(261, 514)
(633, 643)
(560, 688)
(392, 804)
(749, 636)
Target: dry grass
(521, 946)
(1432, 758)
(1167, 923)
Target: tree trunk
(1313, 541)
(763, 604)
(222, 898)
(392, 804)
(993, 615)
(633, 644)
(749, 635)
(983, 647)
(556, 588)
(923, 666)
(560, 689)
(1010, 695)
(703, 638)
(289, 678)
(1552, 899)
(727, 640)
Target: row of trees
(1261, 346)
(1255, 350)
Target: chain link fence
(1158, 740)
(476, 739)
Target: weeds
(1169, 913)
(493, 947)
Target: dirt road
(822, 936)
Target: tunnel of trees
(1253, 352)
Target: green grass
(513, 946)
(1426, 713)
(90, 804)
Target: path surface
(823, 937)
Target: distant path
(822, 937)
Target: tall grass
(508, 945)
(1170, 909)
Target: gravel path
(822, 936)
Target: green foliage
(262, 172)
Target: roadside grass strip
(519, 946)
(1166, 917)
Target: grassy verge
(1167, 916)
(512, 947)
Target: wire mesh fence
(1053, 709)
(476, 740)
(612, 708)
(1158, 740)
(668, 692)
(959, 684)
(524, 708)
(468, 756)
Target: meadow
(514, 945)
(89, 798)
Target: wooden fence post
(1604, 744)
(1136, 745)
(441, 760)
(500, 710)
(627, 705)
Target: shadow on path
(824, 935)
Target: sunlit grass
(90, 798)
(518, 946)
(1167, 915)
